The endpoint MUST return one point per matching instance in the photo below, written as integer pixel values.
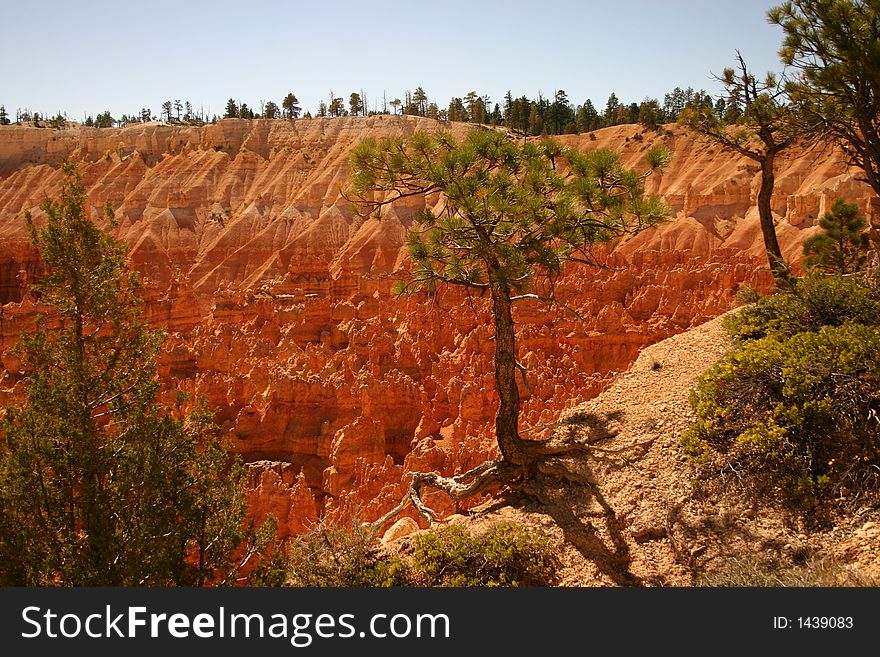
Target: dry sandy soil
(640, 523)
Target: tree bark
(513, 448)
(778, 266)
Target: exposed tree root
(545, 469)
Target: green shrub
(794, 417)
(814, 301)
(506, 554)
(334, 555)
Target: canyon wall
(276, 294)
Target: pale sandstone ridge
(276, 295)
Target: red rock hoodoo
(276, 295)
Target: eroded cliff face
(276, 295)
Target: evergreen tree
(632, 113)
(767, 127)
(476, 107)
(420, 99)
(510, 219)
(177, 107)
(166, 110)
(104, 120)
(674, 103)
(355, 104)
(559, 113)
(336, 107)
(612, 108)
(507, 110)
(457, 111)
(650, 114)
(271, 110)
(146, 114)
(842, 247)
(98, 484)
(497, 118)
(291, 107)
(833, 45)
(587, 117)
(231, 110)
(536, 121)
(4, 117)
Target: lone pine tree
(511, 214)
(765, 127)
(99, 485)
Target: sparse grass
(747, 573)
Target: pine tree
(355, 104)
(231, 110)
(612, 107)
(420, 99)
(512, 216)
(766, 127)
(99, 485)
(536, 121)
(832, 45)
(842, 247)
(587, 118)
(336, 107)
(291, 107)
(650, 114)
(4, 117)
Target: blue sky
(88, 56)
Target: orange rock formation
(276, 295)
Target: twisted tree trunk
(778, 266)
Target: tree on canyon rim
(834, 47)
(501, 218)
(766, 126)
(99, 485)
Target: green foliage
(271, 111)
(792, 413)
(335, 555)
(291, 107)
(811, 303)
(831, 46)
(843, 246)
(98, 484)
(232, 110)
(506, 554)
(511, 212)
